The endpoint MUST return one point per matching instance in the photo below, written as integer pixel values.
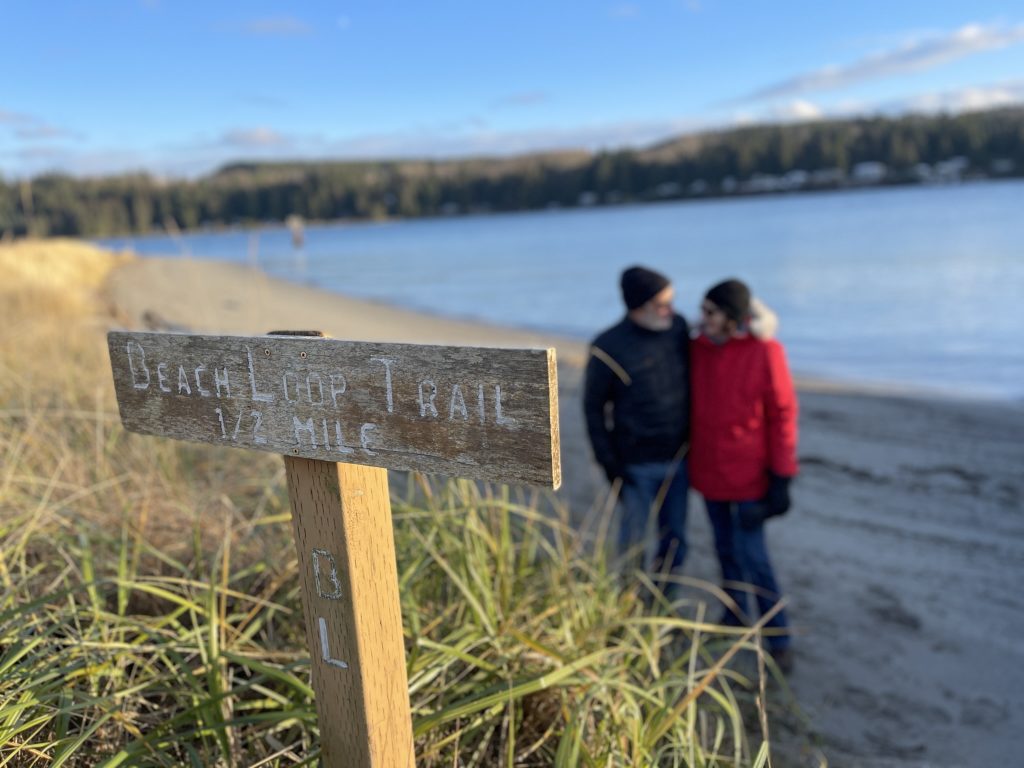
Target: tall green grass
(520, 650)
(150, 613)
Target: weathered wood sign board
(489, 414)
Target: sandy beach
(900, 557)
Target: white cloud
(39, 131)
(916, 54)
(798, 109)
(29, 128)
(952, 101)
(276, 26)
(490, 142)
(46, 153)
(34, 160)
(254, 138)
(15, 118)
(521, 99)
(795, 111)
(963, 99)
(262, 100)
(624, 11)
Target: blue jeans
(641, 487)
(743, 556)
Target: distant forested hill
(747, 160)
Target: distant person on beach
(743, 456)
(636, 402)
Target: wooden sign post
(342, 413)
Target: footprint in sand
(887, 607)
(983, 711)
(859, 699)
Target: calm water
(913, 286)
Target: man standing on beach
(636, 402)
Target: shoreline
(231, 297)
(804, 380)
(261, 226)
(812, 382)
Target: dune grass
(150, 612)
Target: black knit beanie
(732, 297)
(640, 285)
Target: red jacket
(743, 418)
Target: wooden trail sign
(342, 413)
(488, 414)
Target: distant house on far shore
(952, 169)
(796, 179)
(922, 172)
(869, 172)
(668, 189)
(1003, 166)
(827, 176)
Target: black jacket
(645, 377)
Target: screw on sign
(342, 413)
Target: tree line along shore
(758, 159)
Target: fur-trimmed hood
(764, 323)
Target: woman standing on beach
(743, 449)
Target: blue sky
(177, 87)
